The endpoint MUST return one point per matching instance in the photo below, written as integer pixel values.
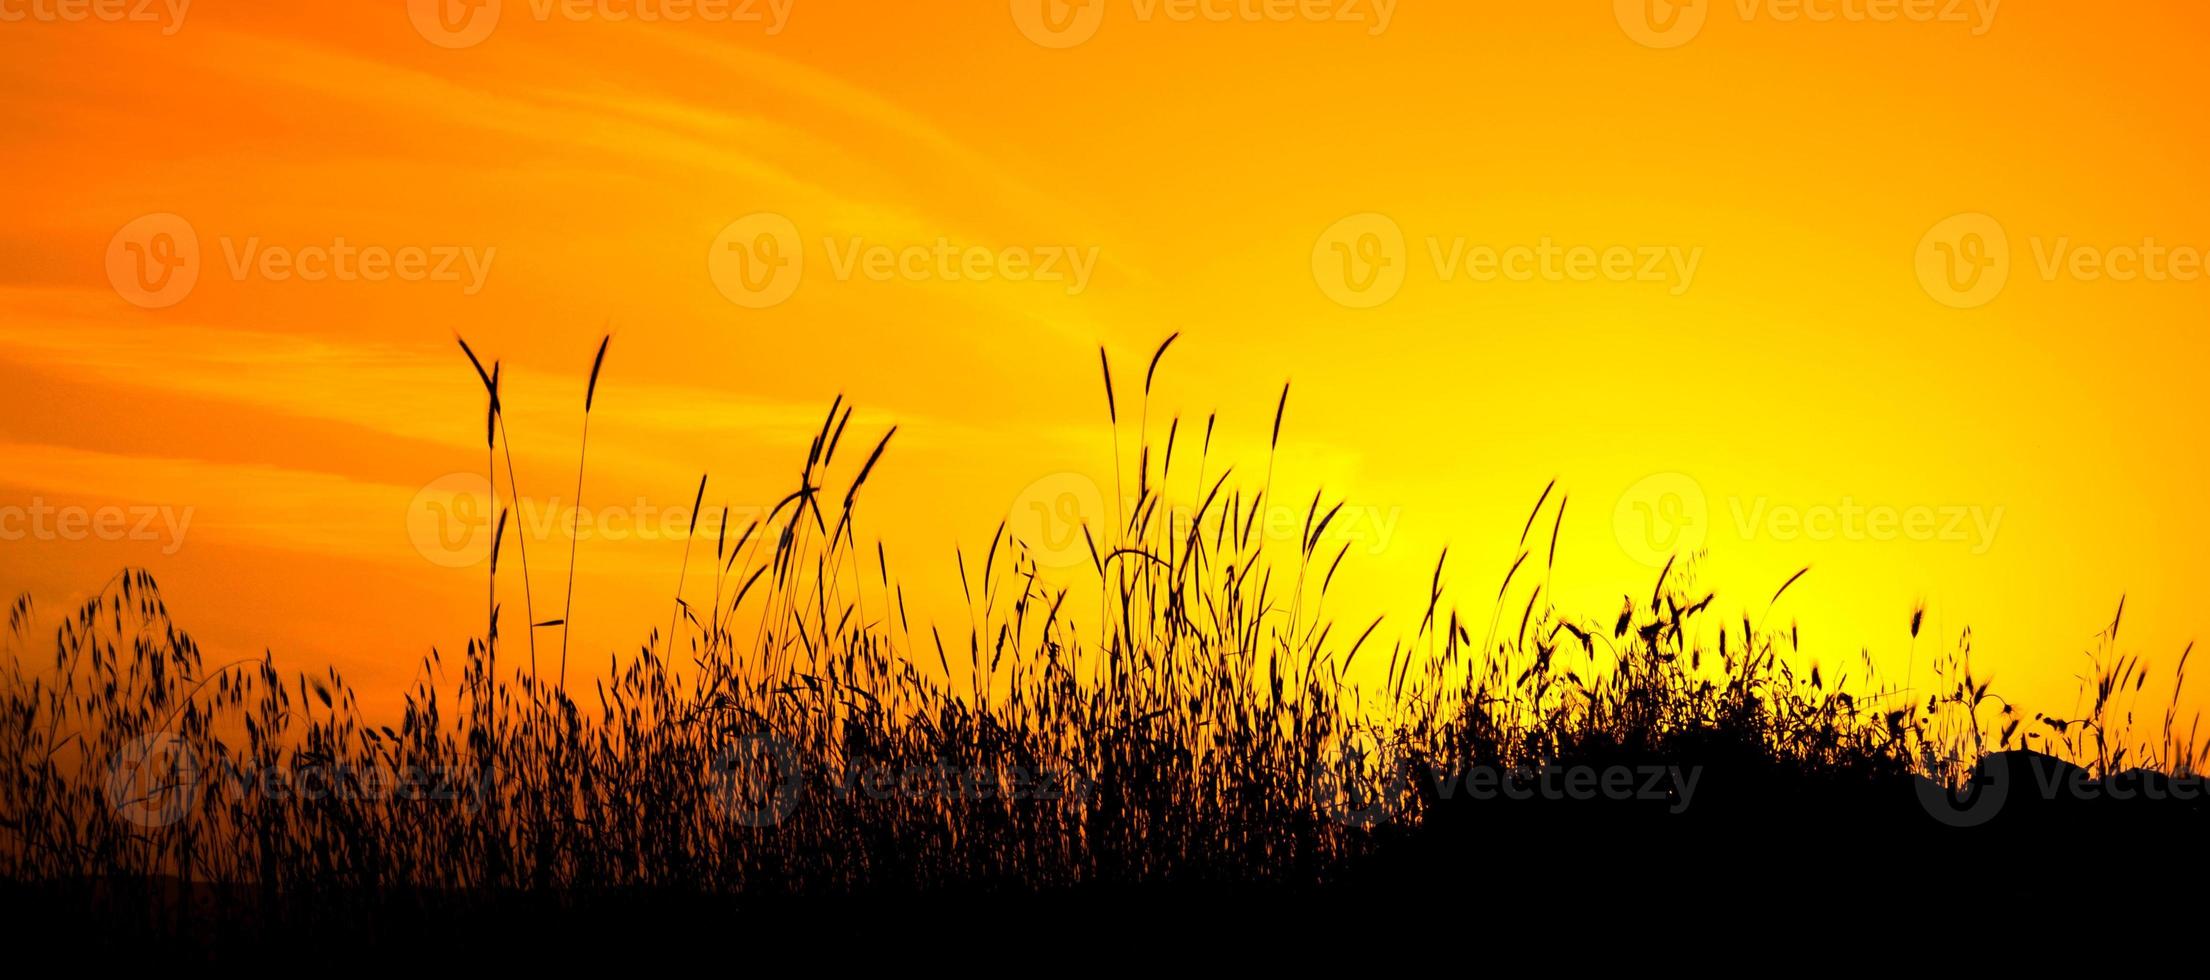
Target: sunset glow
(1908, 293)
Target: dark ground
(1756, 847)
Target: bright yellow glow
(1724, 257)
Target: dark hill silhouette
(2025, 820)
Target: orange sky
(1709, 274)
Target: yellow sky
(1709, 275)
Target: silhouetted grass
(1202, 731)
